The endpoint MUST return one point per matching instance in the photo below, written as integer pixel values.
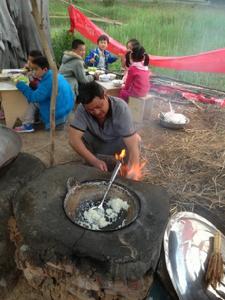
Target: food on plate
(19, 77)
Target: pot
(82, 196)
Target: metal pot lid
(187, 244)
(10, 145)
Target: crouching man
(102, 125)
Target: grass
(164, 29)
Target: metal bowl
(87, 194)
(171, 125)
(188, 245)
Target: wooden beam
(44, 42)
(101, 20)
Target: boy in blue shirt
(41, 97)
(100, 57)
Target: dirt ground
(152, 134)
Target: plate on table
(117, 82)
(4, 77)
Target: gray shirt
(118, 123)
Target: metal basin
(187, 244)
(85, 195)
(10, 145)
(171, 125)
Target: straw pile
(191, 165)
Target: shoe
(24, 128)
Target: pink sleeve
(129, 80)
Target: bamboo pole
(38, 17)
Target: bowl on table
(117, 82)
(104, 77)
(112, 76)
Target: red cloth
(137, 83)
(212, 61)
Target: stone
(127, 257)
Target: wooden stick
(44, 42)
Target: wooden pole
(38, 17)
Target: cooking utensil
(82, 196)
(187, 246)
(114, 174)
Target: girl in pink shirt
(137, 81)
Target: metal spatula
(114, 174)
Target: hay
(191, 165)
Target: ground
(189, 162)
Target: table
(13, 102)
(109, 88)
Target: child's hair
(103, 37)
(88, 91)
(35, 53)
(76, 43)
(41, 62)
(139, 54)
(134, 43)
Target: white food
(100, 218)
(175, 118)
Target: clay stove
(67, 261)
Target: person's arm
(132, 144)
(40, 94)
(80, 75)
(129, 79)
(75, 139)
(111, 58)
(90, 58)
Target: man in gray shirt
(102, 125)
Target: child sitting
(41, 97)
(72, 67)
(34, 81)
(100, 57)
(132, 43)
(137, 81)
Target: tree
(18, 33)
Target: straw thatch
(191, 164)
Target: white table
(13, 102)
(109, 88)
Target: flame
(121, 155)
(135, 172)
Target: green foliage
(61, 41)
(164, 30)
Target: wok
(84, 195)
(10, 145)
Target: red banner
(212, 61)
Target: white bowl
(104, 77)
(112, 76)
(117, 82)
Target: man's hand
(100, 164)
(92, 60)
